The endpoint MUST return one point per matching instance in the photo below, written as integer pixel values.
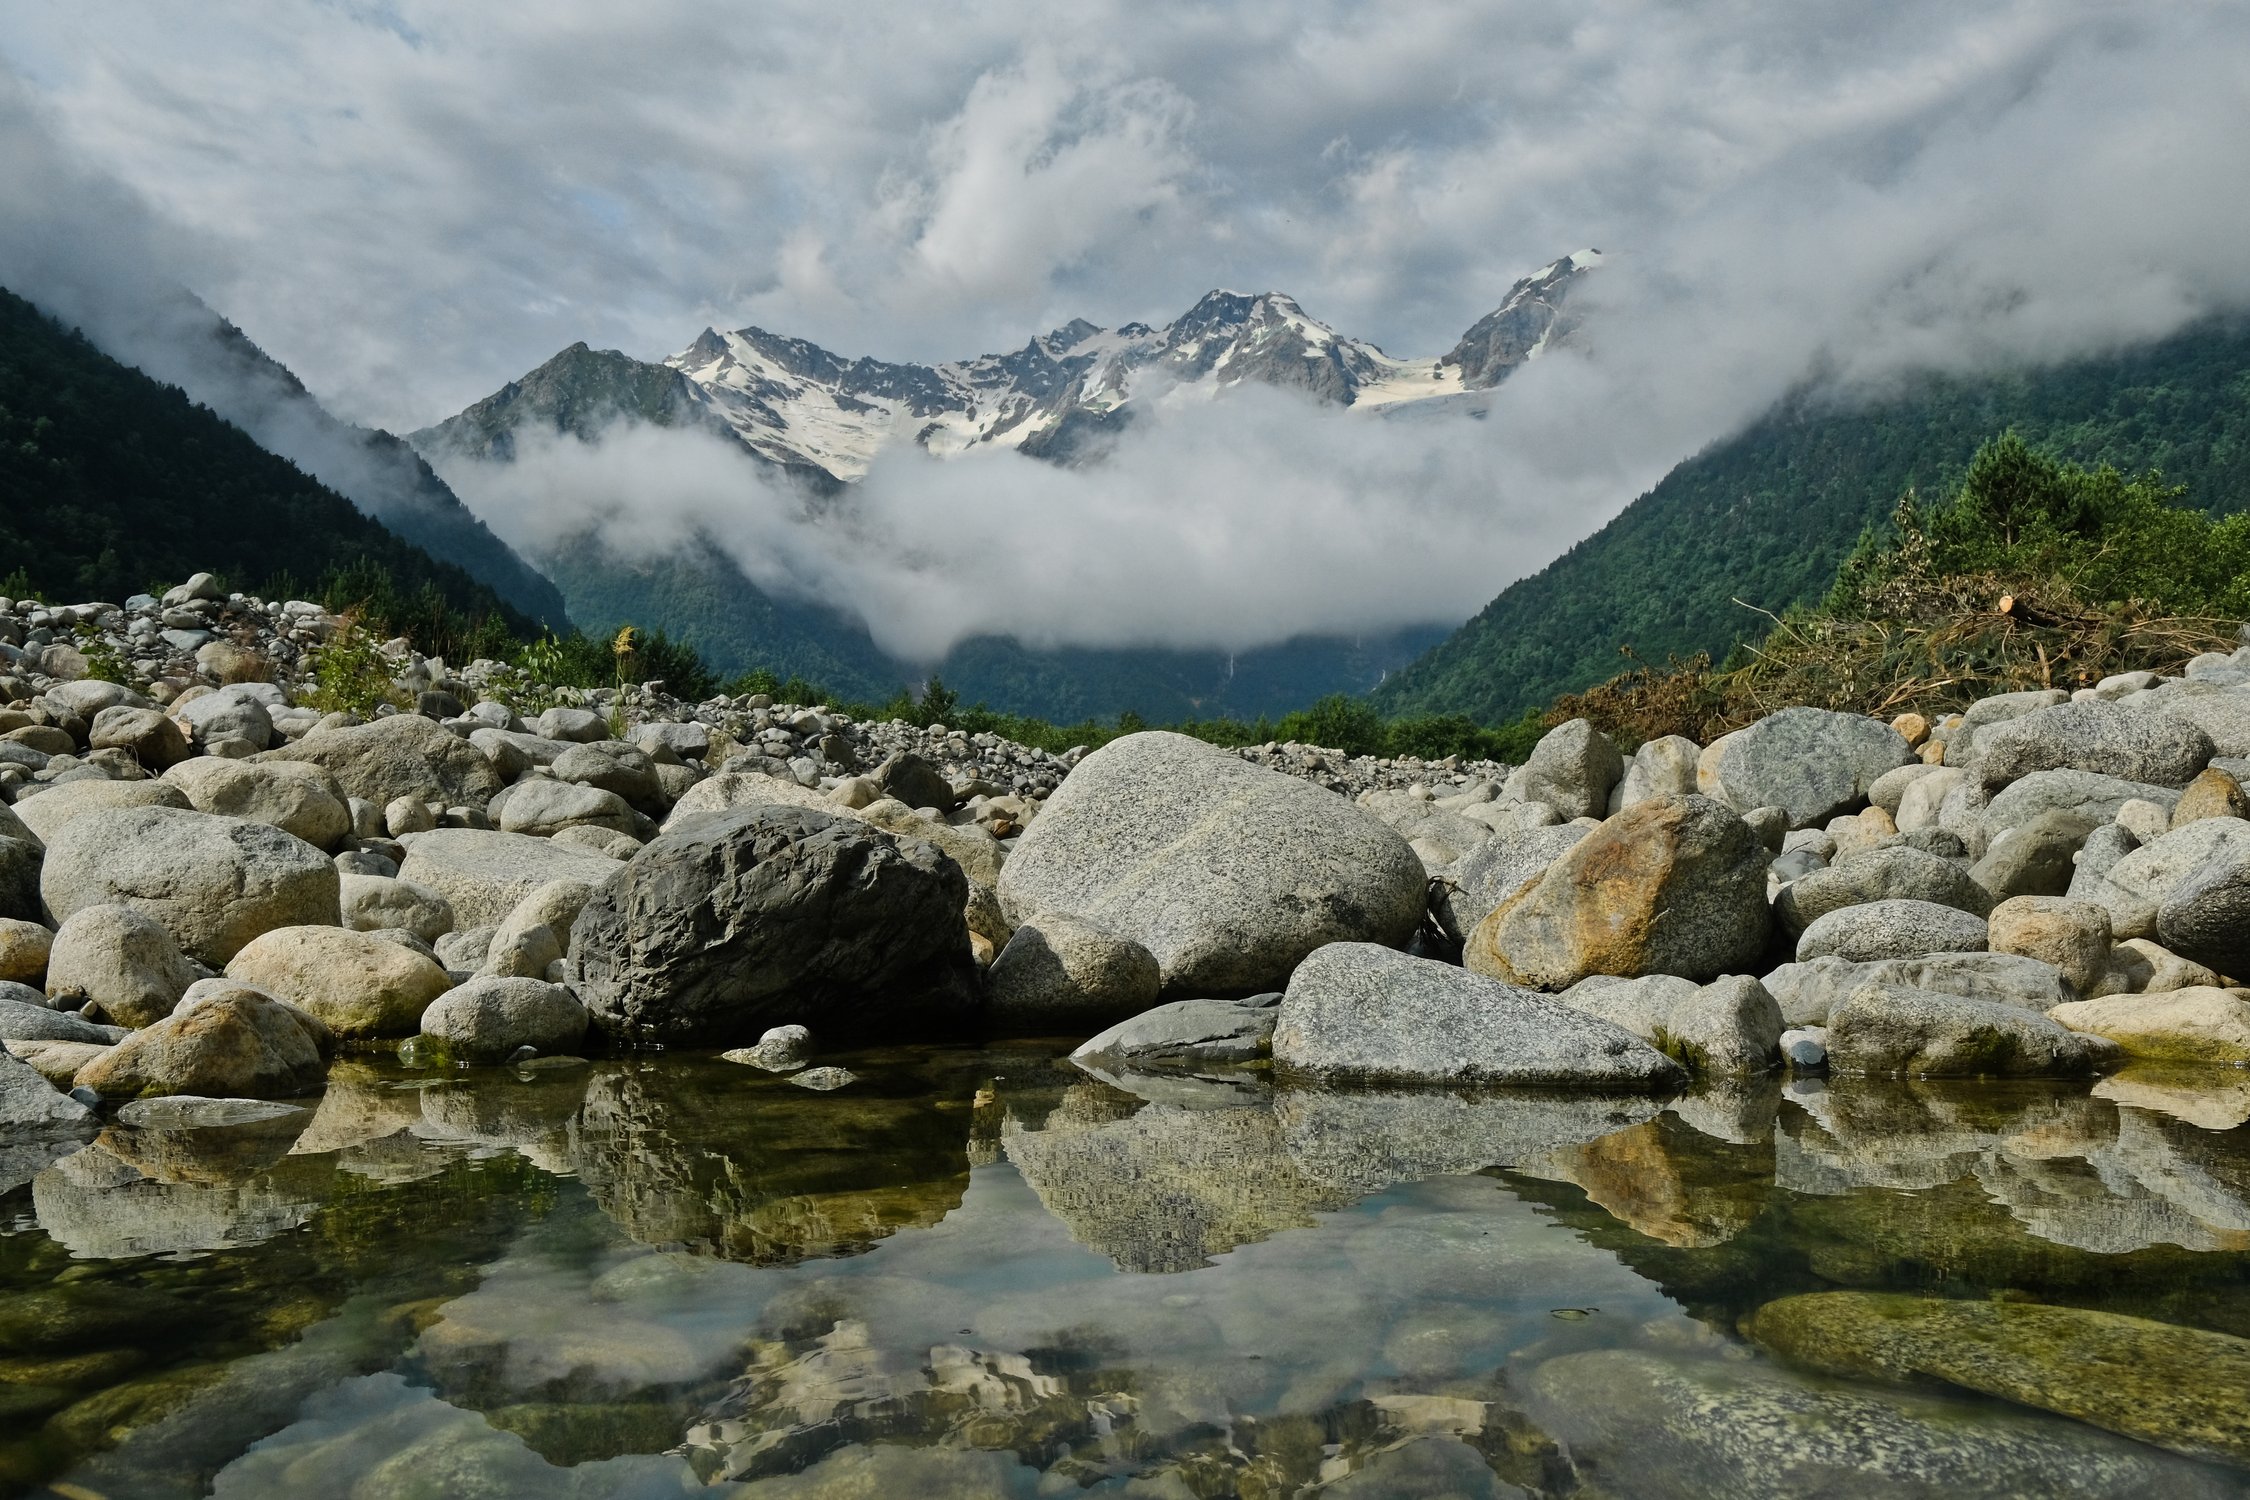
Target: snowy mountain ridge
(795, 402)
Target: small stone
(783, 1049)
(1805, 1047)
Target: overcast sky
(409, 203)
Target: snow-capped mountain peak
(797, 403)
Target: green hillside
(111, 482)
(1767, 516)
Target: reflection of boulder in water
(1364, 1140)
(807, 1403)
(1893, 1133)
(1658, 1427)
(1742, 1110)
(2072, 1166)
(1671, 1183)
(496, 1108)
(215, 1155)
(1158, 1187)
(750, 1169)
(101, 1206)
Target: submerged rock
(2186, 1389)
(1660, 1428)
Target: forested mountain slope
(1766, 516)
(111, 482)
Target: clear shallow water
(986, 1273)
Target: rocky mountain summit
(213, 877)
(792, 402)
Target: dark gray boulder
(2037, 858)
(771, 916)
(2206, 917)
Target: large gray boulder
(1808, 993)
(1729, 1026)
(2109, 738)
(52, 810)
(290, 795)
(484, 874)
(1888, 1029)
(1189, 1032)
(1059, 975)
(730, 790)
(2205, 917)
(1810, 762)
(1229, 873)
(543, 807)
(2038, 858)
(230, 1042)
(25, 1019)
(122, 960)
(2223, 713)
(378, 903)
(1662, 767)
(1893, 873)
(404, 755)
(2086, 794)
(29, 1105)
(1668, 887)
(239, 711)
(1892, 929)
(1358, 1011)
(773, 916)
(1986, 713)
(486, 1019)
(2137, 887)
(1492, 873)
(20, 860)
(357, 984)
(215, 883)
(1571, 769)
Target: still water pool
(987, 1273)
